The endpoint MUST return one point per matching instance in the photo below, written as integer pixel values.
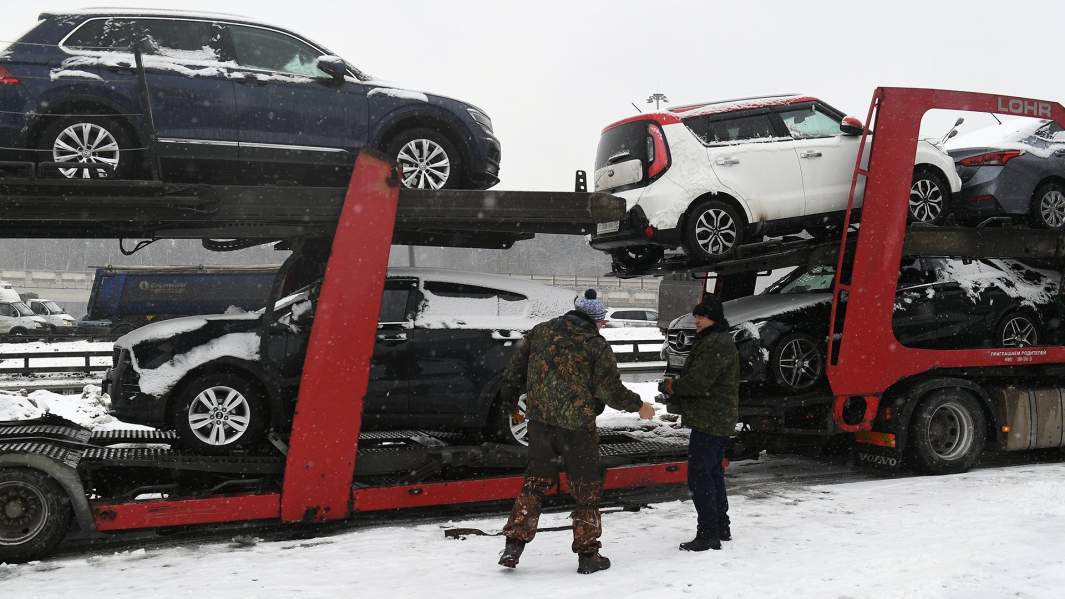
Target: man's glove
(666, 386)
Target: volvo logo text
(1023, 107)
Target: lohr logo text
(1024, 107)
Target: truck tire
(948, 432)
(218, 412)
(34, 515)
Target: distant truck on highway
(124, 298)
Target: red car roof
(671, 116)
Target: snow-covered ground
(991, 533)
(89, 409)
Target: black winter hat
(590, 294)
(711, 308)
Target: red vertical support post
(325, 430)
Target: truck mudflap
(877, 450)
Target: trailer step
(105, 457)
(70, 457)
(115, 437)
(31, 428)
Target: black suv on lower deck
(222, 381)
(941, 303)
(231, 100)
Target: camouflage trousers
(551, 449)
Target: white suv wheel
(716, 231)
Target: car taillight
(657, 151)
(999, 158)
(6, 78)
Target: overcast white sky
(552, 74)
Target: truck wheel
(797, 363)
(948, 432)
(34, 515)
(218, 412)
(511, 426)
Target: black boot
(511, 553)
(591, 563)
(726, 533)
(701, 543)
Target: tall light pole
(657, 98)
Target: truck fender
(914, 391)
(67, 478)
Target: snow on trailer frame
(315, 480)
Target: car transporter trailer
(53, 474)
(936, 409)
(327, 469)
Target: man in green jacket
(570, 375)
(708, 394)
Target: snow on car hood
(158, 381)
(759, 307)
(168, 328)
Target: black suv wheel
(217, 412)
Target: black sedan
(1014, 169)
(941, 303)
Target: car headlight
(481, 119)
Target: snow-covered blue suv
(232, 100)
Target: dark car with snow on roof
(709, 177)
(231, 100)
(941, 303)
(222, 381)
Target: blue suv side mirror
(334, 66)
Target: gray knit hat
(592, 307)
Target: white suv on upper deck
(709, 177)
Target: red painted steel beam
(871, 359)
(214, 510)
(371, 499)
(325, 430)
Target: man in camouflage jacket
(570, 375)
(707, 392)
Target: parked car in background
(233, 100)
(57, 319)
(709, 177)
(1014, 169)
(443, 339)
(17, 320)
(631, 317)
(125, 298)
(941, 303)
